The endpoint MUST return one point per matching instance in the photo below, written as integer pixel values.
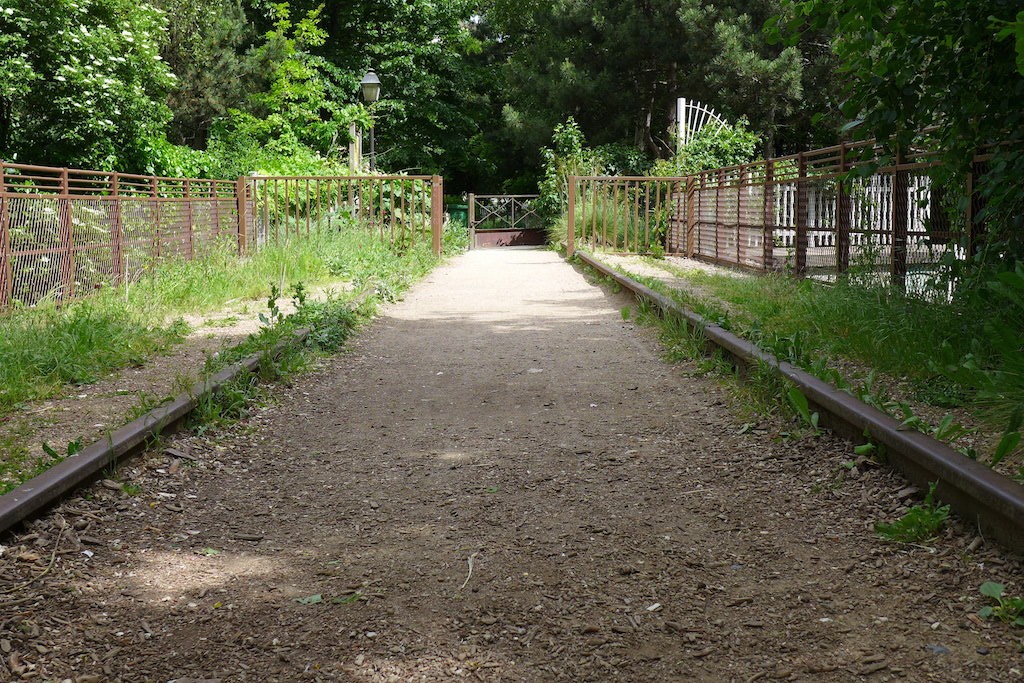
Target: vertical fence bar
(436, 211)
(570, 237)
(117, 231)
(67, 276)
(975, 209)
(605, 194)
(691, 216)
(189, 222)
(243, 218)
(6, 252)
(899, 223)
(739, 210)
(842, 214)
(768, 216)
(154, 191)
(801, 215)
(719, 226)
(472, 220)
(215, 209)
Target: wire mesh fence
(65, 232)
(810, 214)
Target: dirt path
(500, 481)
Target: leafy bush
(711, 147)
(567, 156)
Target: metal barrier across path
(504, 220)
(67, 232)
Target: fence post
(437, 211)
(692, 200)
(899, 223)
(189, 231)
(6, 252)
(801, 215)
(842, 214)
(471, 220)
(719, 226)
(768, 217)
(116, 236)
(570, 237)
(243, 215)
(154, 190)
(67, 276)
(975, 207)
(739, 211)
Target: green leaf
(1006, 446)
(48, 449)
(992, 589)
(865, 449)
(310, 599)
(986, 612)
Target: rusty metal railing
(66, 232)
(804, 213)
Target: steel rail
(975, 492)
(57, 482)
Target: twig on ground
(470, 575)
(53, 559)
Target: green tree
(81, 82)
(211, 48)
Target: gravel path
(500, 480)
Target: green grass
(45, 348)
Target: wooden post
(570, 237)
(6, 251)
(471, 220)
(691, 215)
(842, 214)
(801, 216)
(437, 211)
(768, 216)
(117, 231)
(243, 217)
(67, 238)
(900, 207)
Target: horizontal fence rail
(804, 213)
(67, 232)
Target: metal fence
(805, 213)
(66, 232)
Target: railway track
(992, 502)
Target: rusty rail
(66, 232)
(979, 495)
(51, 486)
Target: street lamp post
(371, 93)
